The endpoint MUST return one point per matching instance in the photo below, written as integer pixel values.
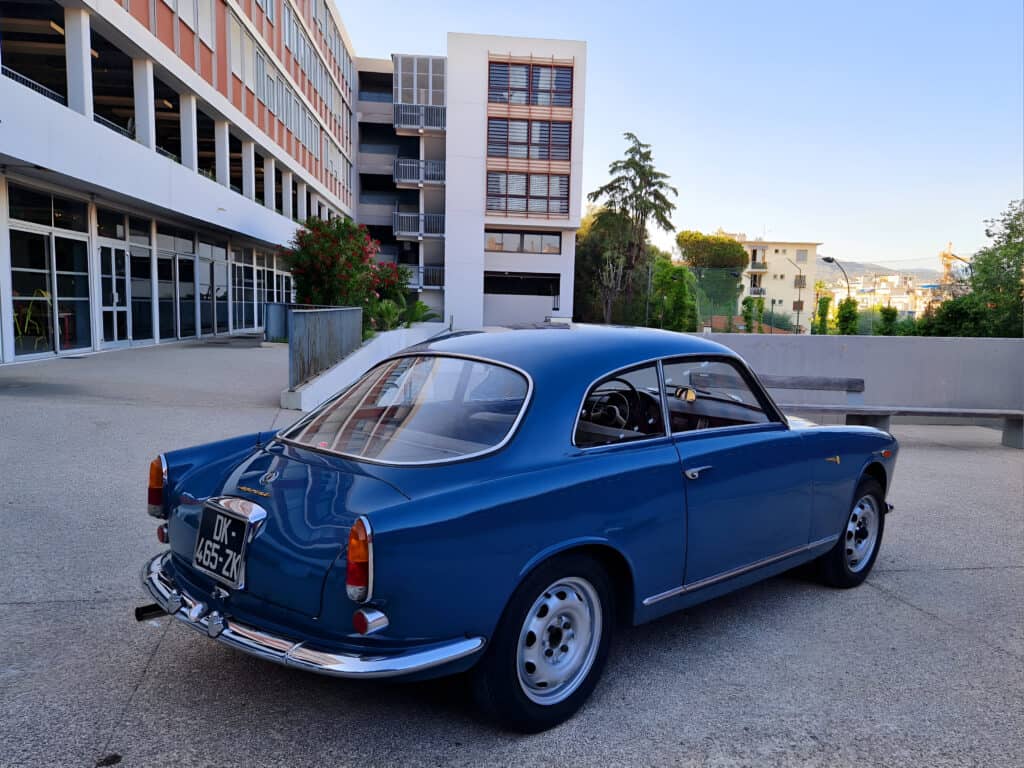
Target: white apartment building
(484, 200)
(782, 273)
(156, 156)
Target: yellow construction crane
(948, 258)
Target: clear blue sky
(882, 129)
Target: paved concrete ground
(923, 665)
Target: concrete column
(145, 102)
(300, 206)
(249, 169)
(78, 59)
(222, 152)
(189, 131)
(314, 205)
(269, 190)
(6, 289)
(154, 284)
(286, 194)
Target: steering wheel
(611, 407)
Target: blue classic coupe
(499, 502)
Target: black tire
(834, 567)
(497, 687)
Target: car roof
(568, 352)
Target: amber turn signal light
(157, 479)
(359, 570)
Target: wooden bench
(880, 416)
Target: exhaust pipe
(147, 612)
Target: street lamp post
(799, 291)
(832, 260)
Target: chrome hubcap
(861, 533)
(558, 641)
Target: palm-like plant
(640, 192)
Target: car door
(747, 475)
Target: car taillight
(359, 571)
(157, 480)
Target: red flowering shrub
(332, 263)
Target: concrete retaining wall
(920, 371)
(317, 390)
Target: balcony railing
(758, 266)
(418, 224)
(30, 83)
(168, 154)
(758, 291)
(420, 116)
(112, 126)
(426, 277)
(419, 171)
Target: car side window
(706, 394)
(621, 408)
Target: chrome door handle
(693, 474)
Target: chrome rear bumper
(293, 653)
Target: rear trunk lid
(311, 501)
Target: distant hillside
(855, 268)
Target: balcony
(37, 87)
(419, 117)
(426, 277)
(416, 173)
(758, 266)
(417, 225)
(758, 291)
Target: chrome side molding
(732, 574)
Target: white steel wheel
(861, 533)
(559, 640)
(547, 652)
(850, 561)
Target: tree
(717, 261)
(640, 193)
(331, 262)
(887, 321)
(997, 274)
(601, 231)
(822, 299)
(747, 309)
(671, 300)
(846, 316)
(611, 277)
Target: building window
(801, 255)
(522, 283)
(502, 241)
(187, 12)
(206, 22)
(236, 47)
(532, 139)
(521, 193)
(535, 84)
(800, 281)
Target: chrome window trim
(772, 411)
(738, 571)
(611, 374)
(527, 399)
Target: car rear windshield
(419, 409)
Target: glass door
(166, 296)
(71, 273)
(114, 294)
(31, 294)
